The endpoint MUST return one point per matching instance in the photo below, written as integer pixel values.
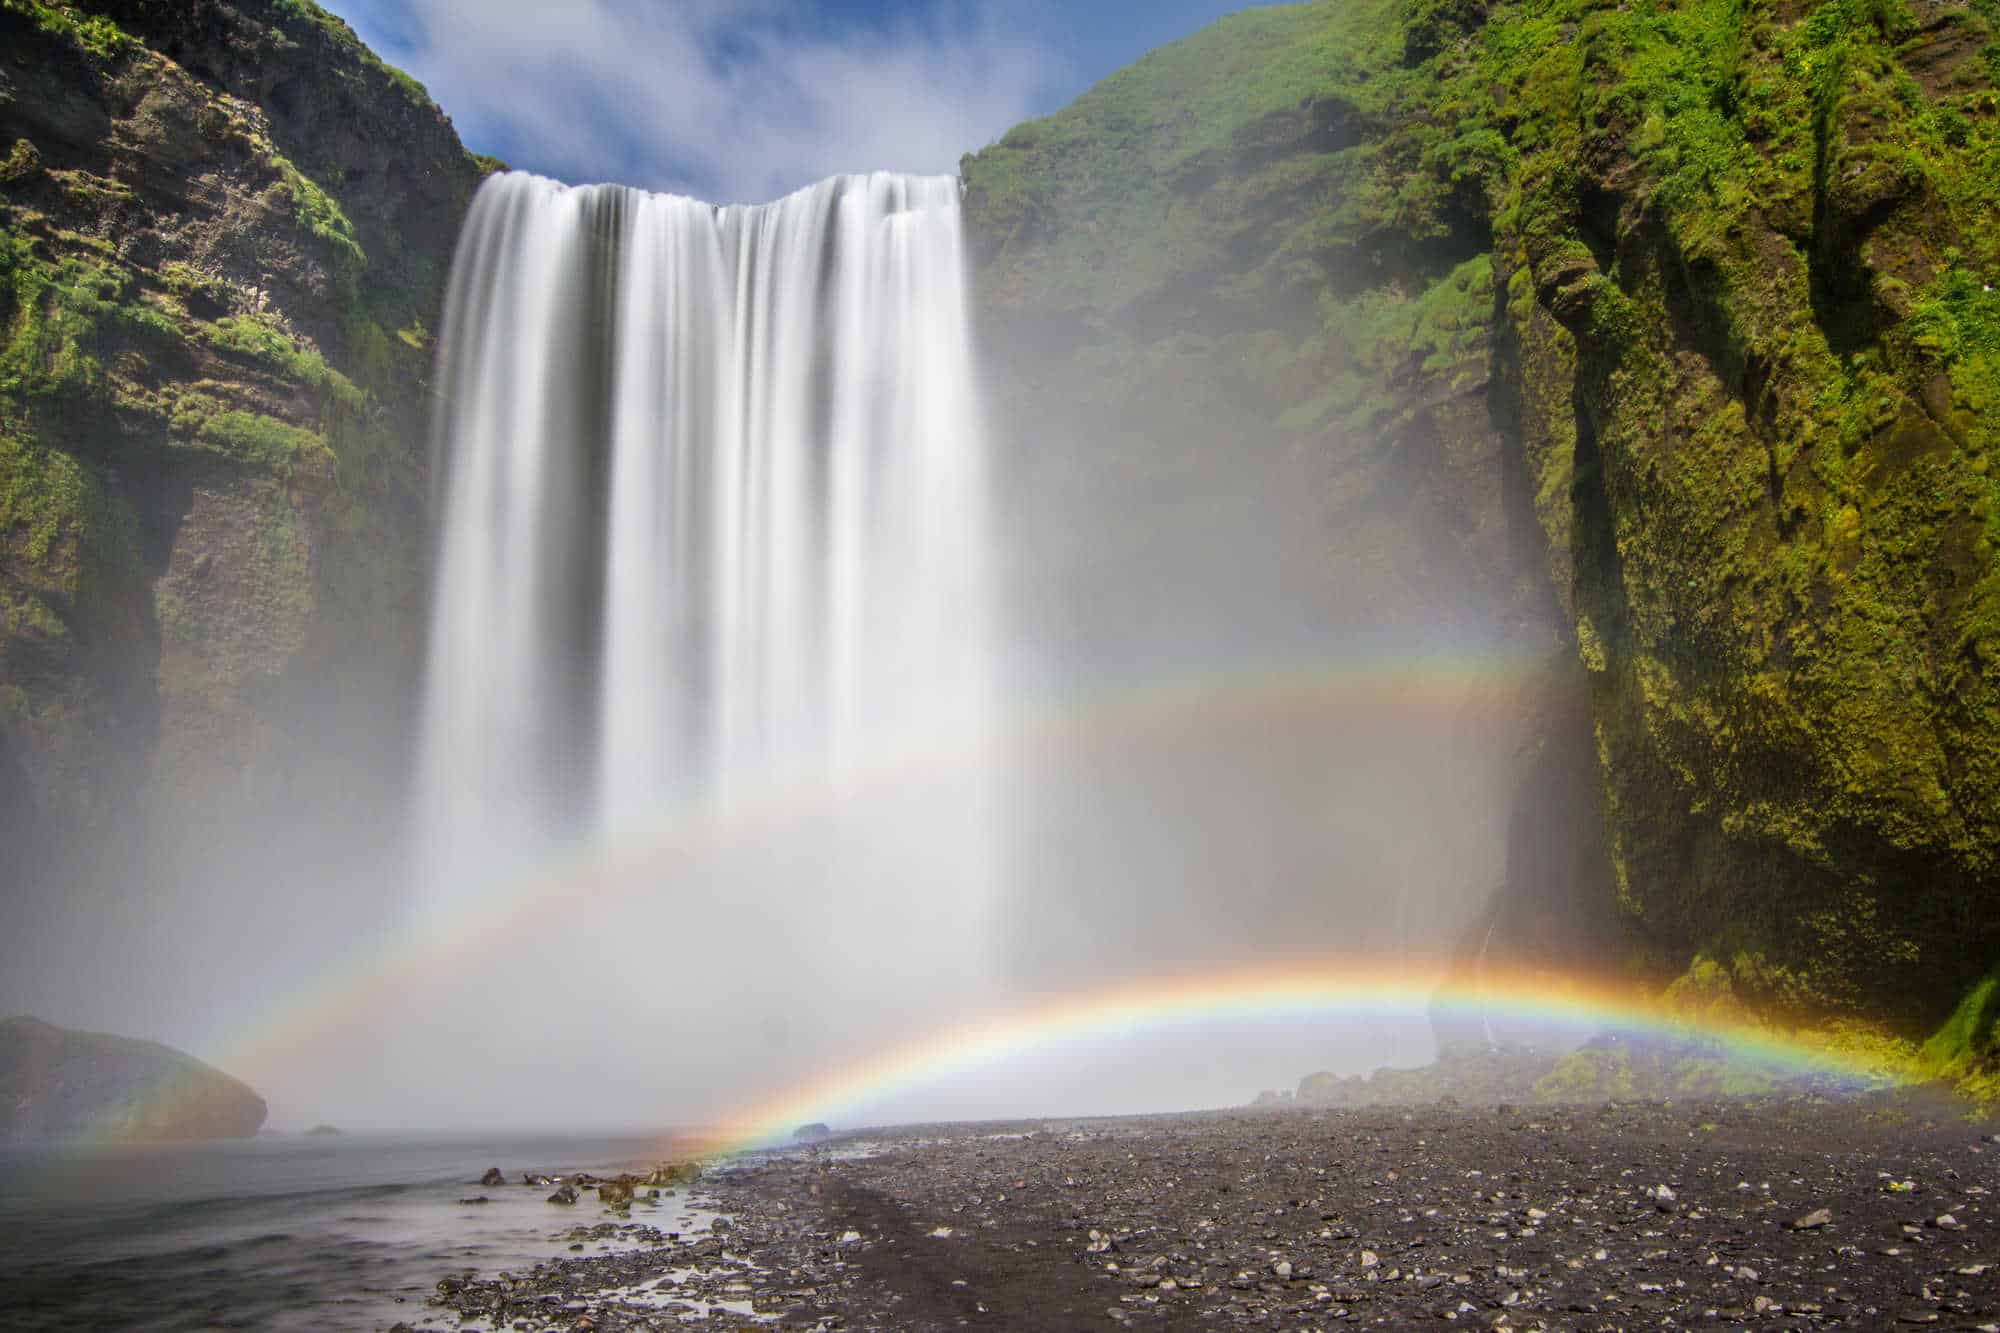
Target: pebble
(1222, 1221)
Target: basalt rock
(224, 230)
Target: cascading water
(712, 557)
(712, 503)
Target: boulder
(673, 1173)
(59, 1084)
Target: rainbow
(1442, 688)
(1354, 993)
(1446, 688)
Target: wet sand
(1778, 1213)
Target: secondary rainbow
(1485, 686)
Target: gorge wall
(1654, 346)
(1662, 337)
(224, 232)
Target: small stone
(492, 1177)
(1946, 1222)
(1747, 1273)
(1283, 1268)
(565, 1194)
(1369, 1258)
(1813, 1220)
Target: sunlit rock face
(59, 1084)
(224, 231)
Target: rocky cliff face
(224, 230)
(57, 1084)
(1666, 332)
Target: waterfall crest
(711, 501)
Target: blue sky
(744, 100)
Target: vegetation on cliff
(1717, 279)
(223, 239)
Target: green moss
(304, 15)
(1588, 1075)
(23, 160)
(1748, 342)
(316, 211)
(54, 309)
(252, 437)
(45, 499)
(1967, 1044)
(92, 34)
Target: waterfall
(712, 510)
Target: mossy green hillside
(223, 233)
(1250, 179)
(1758, 250)
(1721, 277)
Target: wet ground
(1798, 1213)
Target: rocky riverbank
(1782, 1213)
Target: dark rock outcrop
(59, 1084)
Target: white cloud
(734, 100)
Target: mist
(1140, 710)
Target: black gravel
(1785, 1213)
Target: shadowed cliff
(57, 1084)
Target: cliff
(1666, 331)
(1652, 344)
(57, 1084)
(224, 232)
